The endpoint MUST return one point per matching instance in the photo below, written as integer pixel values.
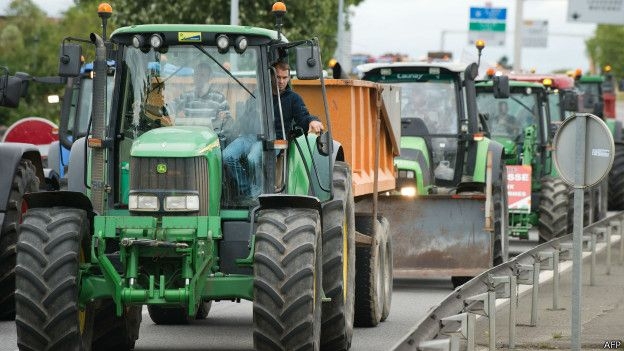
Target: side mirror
(10, 91)
(322, 143)
(308, 62)
(69, 60)
(569, 100)
(471, 72)
(500, 87)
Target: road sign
(596, 11)
(596, 156)
(489, 24)
(534, 33)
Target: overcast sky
(415, 27)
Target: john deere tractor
(164, 222)
(538, 196)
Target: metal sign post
(588, 138)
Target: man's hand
(315, 127)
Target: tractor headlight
(223, 43)
(408, 191)
(182, 203)
(143, 203)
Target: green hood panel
(188, 141)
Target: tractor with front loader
(163, 222)
(449, 209)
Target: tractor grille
(181, 175)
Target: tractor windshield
(509, 117)
(434, 102)
(189, 86)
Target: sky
(414, 27)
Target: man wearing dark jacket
(293, 111)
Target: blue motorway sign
(488, 13)
(487, 23)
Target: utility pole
(234, 12)
(517, 58)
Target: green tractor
(598, 97)
(162, 223)
(522, 123)
(447, 174)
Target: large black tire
(115, 333)
(287, 280)
(24, 181)
(368, 276)
(616, 180)
(339, 263)
(48, 316)
(385, 242)
(165, 315)
(553, 208)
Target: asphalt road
(228, 326)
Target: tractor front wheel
(287, 280)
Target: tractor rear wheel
(165, 315)
(339, 263)
(553, 208)
(25, 180)
(287, 280)
(616, 180)
(369, 289)
(49, 254)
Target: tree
(607, 48)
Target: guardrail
(453, 320)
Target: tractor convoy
(163, 222)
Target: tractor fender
(54, 157)
(76, 167)
(271, 201)
(497, 158)
(10, 156)
(71, 199)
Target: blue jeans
(243, 153)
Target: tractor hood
(188, 141)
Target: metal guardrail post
(608, 230)
(485, 305)
(466, 329)
(510, 291)
(592, 268)
(621, 232)
(551, 259)
(533, 280)
(438, 344)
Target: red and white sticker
(519, 188)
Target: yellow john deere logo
(161, 168)
(189, 37)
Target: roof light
(547, 82)
(240, 44)
(490, 72)
(478, 136)
(138, 41)
(480, 44)
(105, 10)
(607, 68)
(279, 8)
(156, 41)
(223, 43)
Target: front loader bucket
(438, 235)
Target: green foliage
(607, 48)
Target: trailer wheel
(287, 280)
(369, 284)
(616, 180)
(49, 254)
(339, 263)
(165, 315)
(501, 218)
(385, 242)
(115, 333)
(553, 208)
(25, 180)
